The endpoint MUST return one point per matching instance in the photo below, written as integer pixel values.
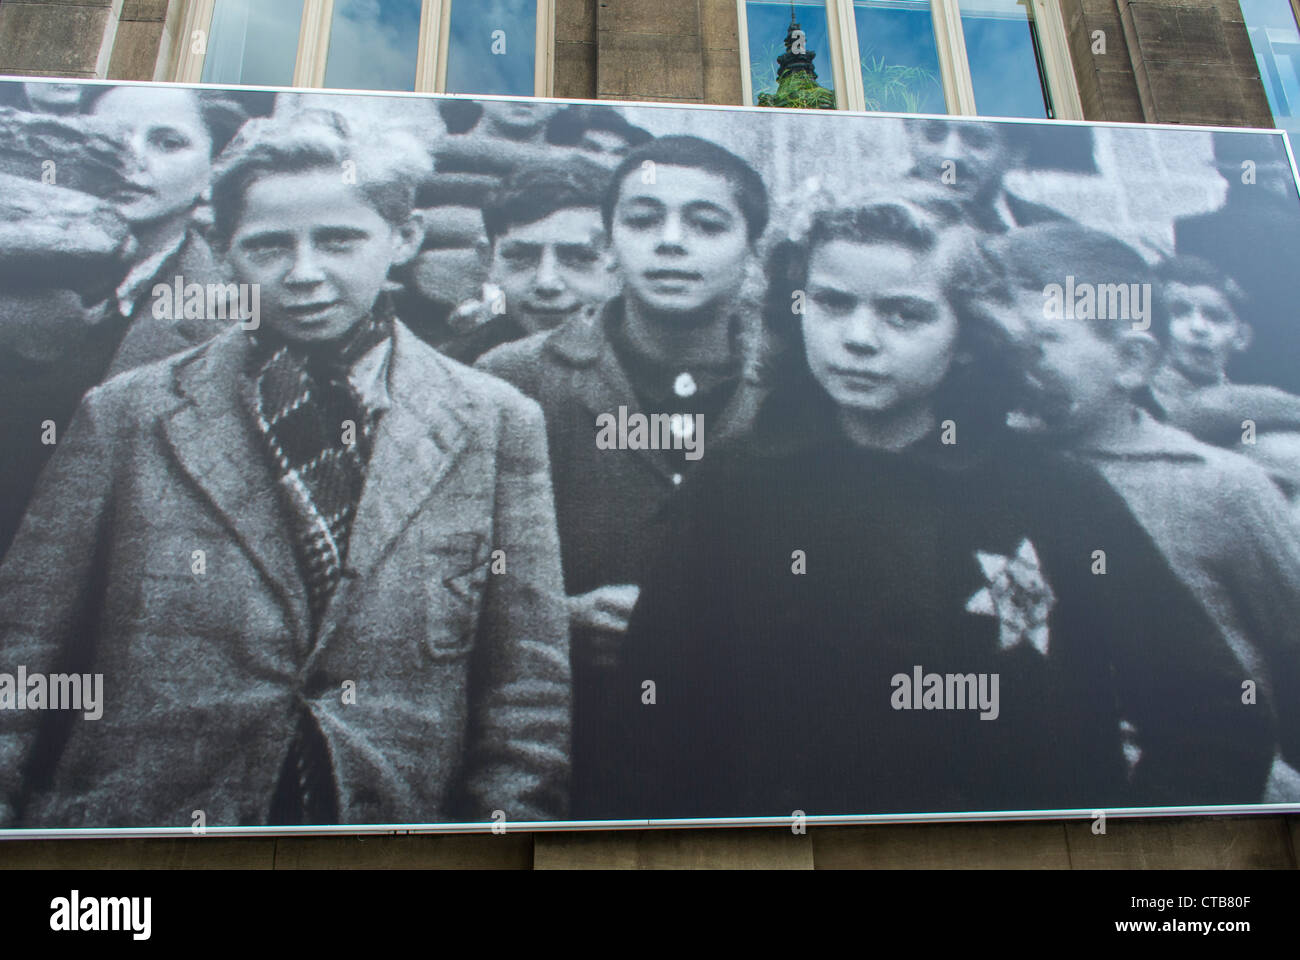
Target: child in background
(1202, 326)
(550, 256)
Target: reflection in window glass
(253, 42)
(769, 22)
(373, 45)
(900, 66)
(1271, 25)
(1001, 45)
(492, 47)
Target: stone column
(58, 38)
(649, 51)
(1165, 61)
(575, 49)
(146, 40)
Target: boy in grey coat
(314, 561)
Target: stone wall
(1165, 61)
(58, 38)
(1158, 61)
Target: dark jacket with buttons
(608, 503)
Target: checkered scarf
(302, 400)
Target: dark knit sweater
(773, 689)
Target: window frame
(950, 43)
(314, 43)
(1295, 13)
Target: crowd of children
(363, 560)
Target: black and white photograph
(377, 460)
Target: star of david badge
(1017, 594)
(684, 385)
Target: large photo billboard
(405, 461)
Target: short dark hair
(536, 191)
(460, 116)
(567, 127)
(1034, 257)
(685, 151)
(1192, 271)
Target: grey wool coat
(460, 702)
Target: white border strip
(548, 826)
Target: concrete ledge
(700, 849)
(1037, 846)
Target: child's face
(878, 331)
(973, 147)
(1073, 379)
(320, 252)
(681, 242)
(1203, 331)
(168, 158)
(552, 269)
(514, 119)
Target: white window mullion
(954, 66)
(443, 43)
(426, 57)
(746, 69)
(1057, 64)
(313, 43)
(544, 58)
(845, 55)
(196, 31)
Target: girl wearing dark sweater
(876, 604)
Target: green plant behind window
(896, 87)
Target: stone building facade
(1162, 61)
(1154, 61)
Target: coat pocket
(457, 569)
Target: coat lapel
(418, 440)
(149, 338)
(599, 381)
(213, 440)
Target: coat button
(677, 479)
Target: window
(1271, 25)
(1006, 69)
(456, 46)
(1003, 58)
(767, 28)
(898, 57)
(253, 42)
